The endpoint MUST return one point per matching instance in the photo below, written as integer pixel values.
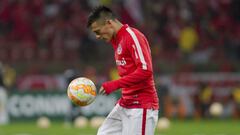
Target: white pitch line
(23, 134)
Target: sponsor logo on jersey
(121, 62)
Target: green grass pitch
(184, 127)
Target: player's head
(101, 21)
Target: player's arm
(141, 56)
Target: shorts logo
(119, 49)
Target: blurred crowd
(183, 34)
(197, 32)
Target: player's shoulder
(133, 35)
(133, 32)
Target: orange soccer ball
(82, 91)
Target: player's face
(103, 31)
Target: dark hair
(100, 13)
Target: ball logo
(86, 88)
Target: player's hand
(102, 91)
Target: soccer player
(136, 112)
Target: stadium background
(195, 48)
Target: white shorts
(122, 121)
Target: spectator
(236, 100)
(202, 100)
(188, 40)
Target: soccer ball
(80, 122)
(163, 123)
(216, 109)
(96, 121)
(43, 122)
(81, 91)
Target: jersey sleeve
(140, 53)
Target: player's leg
(151, 121)
(112, 125)
(139, 121)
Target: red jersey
(134, 64)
